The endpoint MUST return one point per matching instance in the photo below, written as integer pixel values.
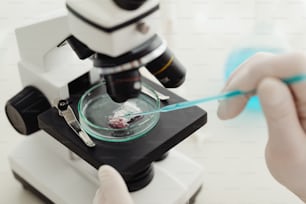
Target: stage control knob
(22, 110)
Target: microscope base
(48, 169)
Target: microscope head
(120, 38)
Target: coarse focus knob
(22, 110)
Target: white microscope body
(44, 165)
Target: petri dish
(96, 111)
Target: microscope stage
(128, 157)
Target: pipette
(222, 96)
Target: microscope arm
(36, 40)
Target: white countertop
(201, 33)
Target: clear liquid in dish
(106, 120)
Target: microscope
(111, 40)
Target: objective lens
(123, 86)
(168, 70)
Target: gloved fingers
(247, 63)
(299, 93)
(113, 189)
(285, 132)
(259, 67)
(239, 80)
(285, 151)
(230, 108)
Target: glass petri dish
(96, 109)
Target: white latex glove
(285, 111)
(112, 189)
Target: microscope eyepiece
(129, 4)
(168, 70)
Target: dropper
(222, 96)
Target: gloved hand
(285, 112)
(112, 188)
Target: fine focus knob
(22, 110)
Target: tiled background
(201, 33)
